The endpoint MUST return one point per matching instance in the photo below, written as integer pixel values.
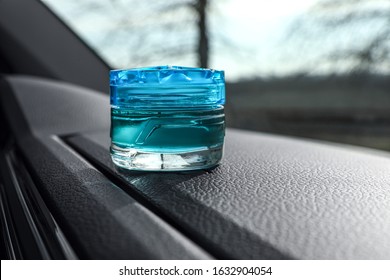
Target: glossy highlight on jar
(167, 118)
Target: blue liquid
(168, 131)
(167, 118)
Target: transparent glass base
(134, 159)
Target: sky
(249, 38)
(256, 26)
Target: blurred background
(309, 68)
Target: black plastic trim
(29, 229)
(38, 43)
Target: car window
(309, 68)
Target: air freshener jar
(167, 118)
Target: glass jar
(167, 118)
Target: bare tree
(366, 23)
(203, 41)
(371, 53)
(145, 32)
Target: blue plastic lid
(167, 86)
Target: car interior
(61, 197)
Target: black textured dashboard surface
(274, 194)
(272, 197)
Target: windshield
(311, 68)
